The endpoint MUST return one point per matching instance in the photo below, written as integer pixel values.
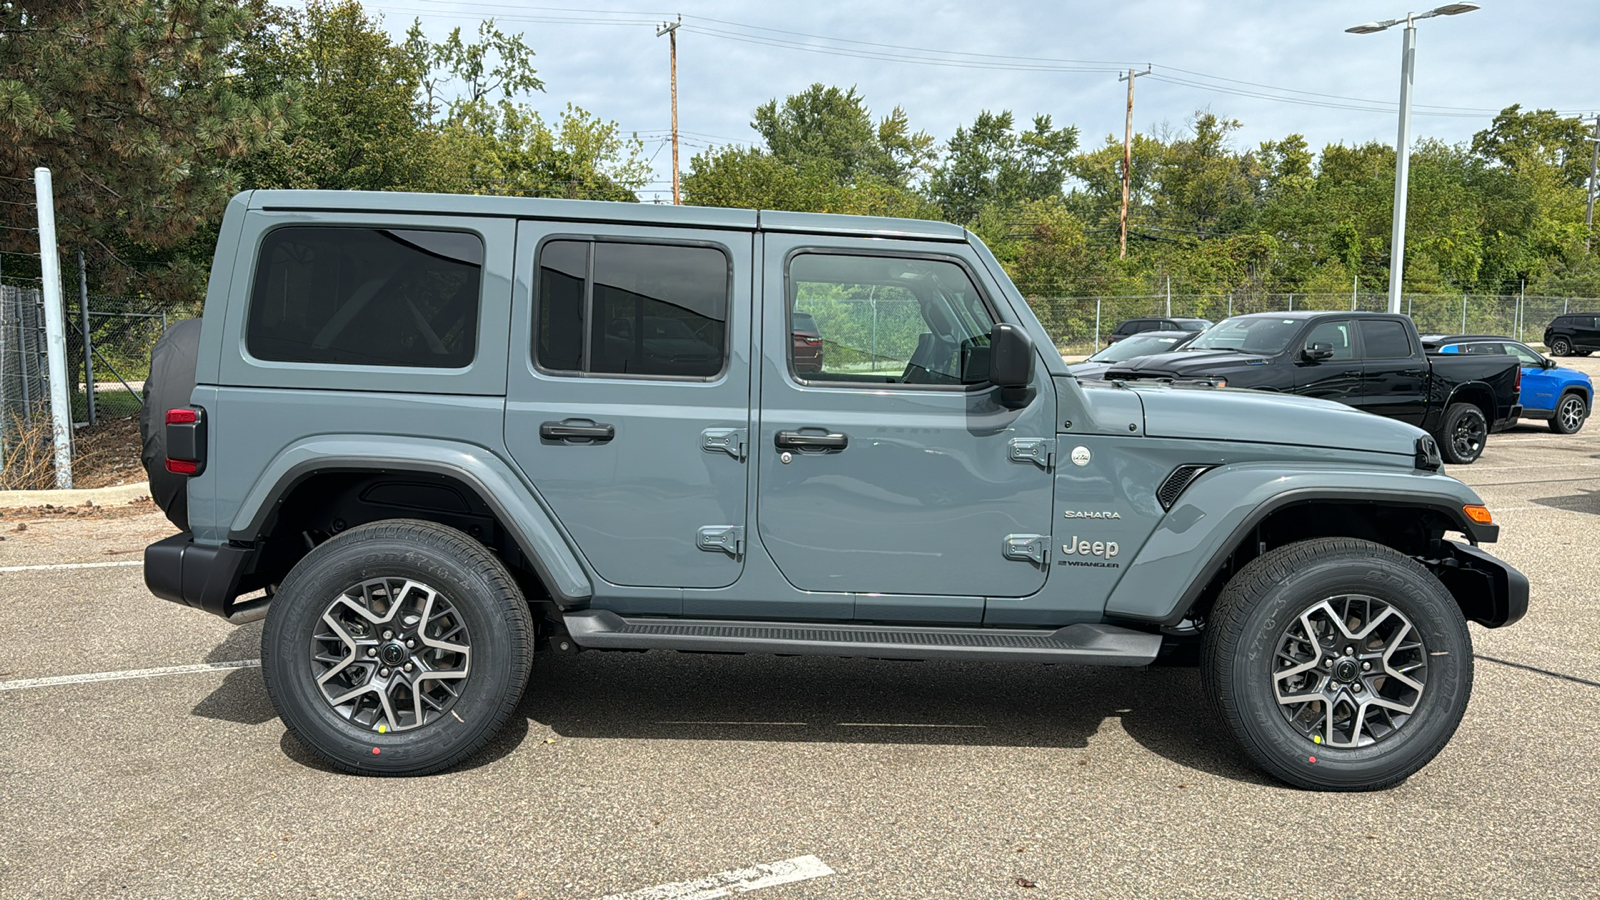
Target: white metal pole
(55, 328)
(1402, 169)
(1097, 323)
(1355, 288)
(1463, 313)
(1169, 295)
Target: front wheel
(397, 648)
(1338, 664)
(1570, 414)
(1560, 347)
(1464, 433)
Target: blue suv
(1557, 394)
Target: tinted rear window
(366, 296)
(1384, 339)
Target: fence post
(1291, 303)
(88, 349)
(1096, 325)
(1355, 287)
(54, 326)
(1169, 295)
(1463, 313)
(1230, 304)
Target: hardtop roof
(602, 211)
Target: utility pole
(1594, 166)
(670, 29)
(1127, 154)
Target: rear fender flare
(1195, 539)
(530, 524)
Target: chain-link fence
(108, 354)
(1079, 325)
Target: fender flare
(496, 484)
(1194, 540)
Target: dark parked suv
(1572, 335)
(1129, 327)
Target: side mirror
(1318, 351)
(1547, 363)
(1011, 365)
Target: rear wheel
(397, 648)
(1570, 413)
(1338, 664)
(1560, 347)
(1464, 433)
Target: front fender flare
(1195, 539)
(530, 524)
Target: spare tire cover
(171, 382)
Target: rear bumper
(206, 578)
(1509, 420)
(1490, 592)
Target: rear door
(627, 403)
(892, 472)
(1395, 379)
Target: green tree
(829, 133)
(991, 164)
(134, 107)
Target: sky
(1277, 66)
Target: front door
(1337, 377)
(629, 395)
(886, 468)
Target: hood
(1226, 414)
(1189, 363)
(1091, 370)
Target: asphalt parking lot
(628, 773)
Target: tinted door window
(889, 320)
(1385, 339)
(1335, 334)
(1483, 348)
(1525, 356)
(632, 309)
(366, 296)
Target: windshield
(1265, 335)
(1138, 345)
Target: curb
(106, 496)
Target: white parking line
(56, 566)
(88, 677)
(736, 881)
(1560, 465)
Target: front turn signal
(1478, 513)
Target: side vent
(1178, 482)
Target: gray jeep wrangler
(426, 435)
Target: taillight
(186, 441)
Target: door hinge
(1039, 451)
(728, 539)
(728, 440)
(1034, 548)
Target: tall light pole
(1402, 147)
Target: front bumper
(204, 577)
(1490, 592)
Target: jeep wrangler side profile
(424, 435)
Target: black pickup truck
(1372, 361)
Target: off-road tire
(1463, 434)
(476, 586)
(1243, 653)
(1572, 410)
(170, 385)
(1560, 347)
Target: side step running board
(1084, 644)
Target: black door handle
(571, 431)
(800, 440)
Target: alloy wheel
(390, 654)
(1349, 671)
(1468, 437)
(1571, 414)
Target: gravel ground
(912, 780)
